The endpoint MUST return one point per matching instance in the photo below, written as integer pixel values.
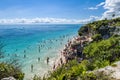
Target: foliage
(92, 27)
(95, 76)
(103, 50)
(114, 65)
(99, 53)
(97, 37)
(10, 68)
(95, 27)
(7, 70)
(36, 78)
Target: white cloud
(47, 20)
(97, 6)
(112, 7)
(93, 8)
(90, 19)
(101, 4)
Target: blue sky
(70, 9)
(57, 11)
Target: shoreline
(70, 50)
(33, 50)
(51, 59)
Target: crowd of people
(72, 50)
(41, 45)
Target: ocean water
(29, 43)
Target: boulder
(9, 78)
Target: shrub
(97, 37)
(36, 78)
(114, 65)
(97, 54)
(7, 70)
(95, 76)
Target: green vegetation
(95, 76)
(102, 27)
(93, 28)
(114, 65)
(9, 69)
(98, 55)
(104, 50)
(97, 37)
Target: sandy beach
(68, 52)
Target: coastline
(71, 49)
(49, 66)
(25, 46)
(94, 52)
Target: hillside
(103, 50)
(93, 55)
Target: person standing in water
(24, 51)
(38, 59)
(47, 60)
(24, 56)
(39, 49)
(31, 67)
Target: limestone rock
(9, 78)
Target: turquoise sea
(28, 43)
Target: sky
(56, 11)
